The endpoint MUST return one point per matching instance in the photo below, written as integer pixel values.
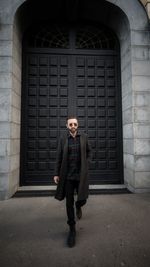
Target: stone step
(27, 191)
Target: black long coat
(61, 167)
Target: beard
(73, 130)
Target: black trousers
(72, 186)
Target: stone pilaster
(5, 107)
(10, 98)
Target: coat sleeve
(58, 159)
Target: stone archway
(129, 20)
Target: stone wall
(141, 107)
(15, 106)
(10, 90)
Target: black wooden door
(61, 83)
(46, 103)
(98, 104)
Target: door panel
(44, 111)
(99, 113)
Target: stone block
(127, 102)
(140, 53)
(6, 64)
(141, 83)
(4, 148)
(6, 32)
(14, 180)
(16, 69)
(142, 99)
(142, 146)
(4, 185)
(142, 114)
(16, 100)
(4, 164)
(3, 195)
(9, 183)
(17, 55)
(126, 74)
(129, 178)
(128, 131)
(126, 60)
(141, 130)
(5, 80)
(125, 46)
(142, 179)
(15, 130)
(5, 97)
(5, 48)
(141, 67)
(14, 147)
(14, 162)
(4, 130)
(16, 85)
(126, 88)
(125, 42)
(142, 163)
(4, 181)
(127, 116)
(128, 146)
(15, 115)
(129, 161)
(140, 37)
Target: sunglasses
(71, 124)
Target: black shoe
(79, 213)
(71, 237)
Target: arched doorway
(70, 70)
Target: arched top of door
(81, 36)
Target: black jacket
(61, 166)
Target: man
(71, 173)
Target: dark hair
(71, 117)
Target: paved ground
(114, 232)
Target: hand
(56, 179)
